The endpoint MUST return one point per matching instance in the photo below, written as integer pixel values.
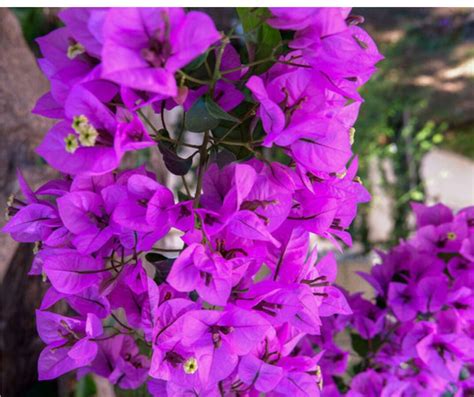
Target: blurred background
(414, 138)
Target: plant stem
(194, 79)
(162, 115)
(167, 249)
(248, 65)
(186, 187)
(161, 137)
(249, 114)
(202, 164)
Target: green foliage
(140, 392)
(264, 38)
(85, 387)
(364, 346)
(36, 22)
(198, 118)
(217, 112)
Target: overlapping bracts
(230, 315)
(419, 332)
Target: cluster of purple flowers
(228, 315)
(417, 337)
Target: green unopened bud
(190, 366)
(88, 136)
(352, 132)
(71, 143)
(74, 50)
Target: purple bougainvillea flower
(85, 26)
(145, 204)
(403, 300)
(368, 319)
(84, 215)
(131, 135)
(84, 143)
(143, 48)
(131, 367)
(213, 336)
(253, 371)
(208, 274)
(71, 272)
(434, 215)
(443, 353)
(33, 222)
(349, 54)
(432, 293)
(293, 105)
(329, 20)
(328, 148)
(240, 305)
(70, 343)
(368, 383)
(88, 301)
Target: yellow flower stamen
(352, 132)
(79, 122)
(71, 143)
(87, 133)
(88, 136)
(451, 236)
(190, 366)
(74, 50)
(341, 175)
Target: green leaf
(265, 37)
(217, 112)
(359, 345)
(198, 118)
(85, 387)
(250, 18)
(196, 63)
(341, 385)
(183, 196)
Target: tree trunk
(21, 83)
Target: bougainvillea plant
(228, 313)
(416, 337)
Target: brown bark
(21, 83)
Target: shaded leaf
(174, 163)
(153, 257)
(198, 118)
(162, 266)
(196, 63)
(222, 157)
(217, 112)
(359, 345)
